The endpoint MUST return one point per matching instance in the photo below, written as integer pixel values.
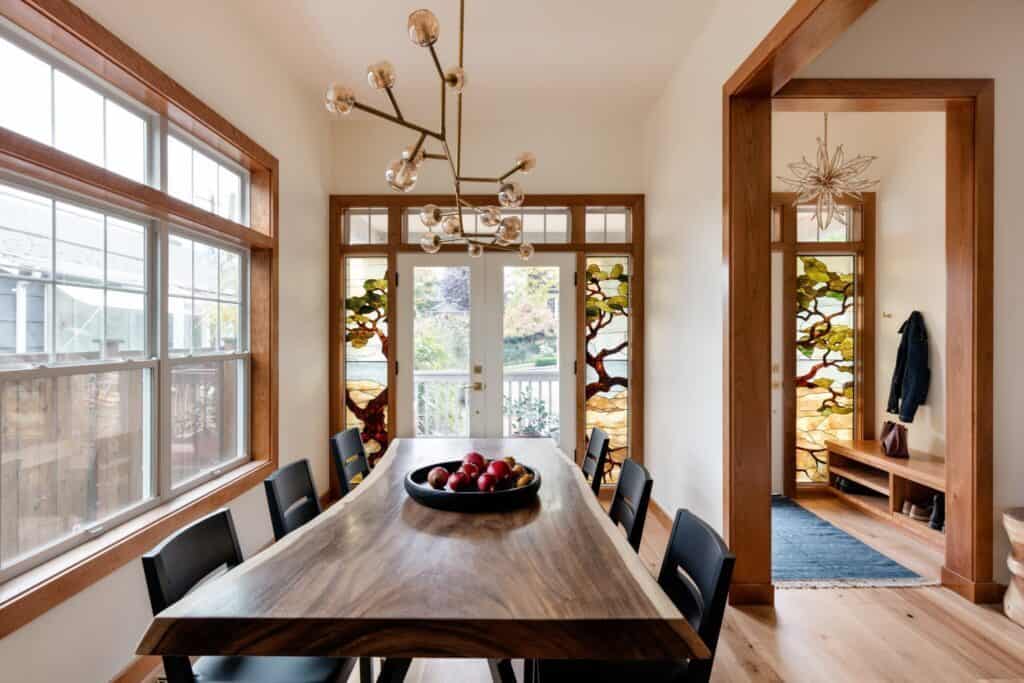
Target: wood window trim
(70, 31)
(577, 244)
(764, 80)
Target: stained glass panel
(607, 355)
(366, 351)
(825, 364)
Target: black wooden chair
(349, 459)
(595, 457)
(632, 497)
(696, 574)
(291, 497)
(179, 563)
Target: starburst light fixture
(829, 181)
(443, 226)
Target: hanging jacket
(912, 375)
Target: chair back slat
(291, 497)
(350, 460)
(594, 459)
(631, 500)
(696, 574)
(178, 564)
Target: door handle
(475, 386)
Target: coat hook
(886, 315)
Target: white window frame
(158, 363)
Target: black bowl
(468, 501)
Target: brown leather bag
(894, 440)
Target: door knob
(475, 386)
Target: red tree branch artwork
(366, 318)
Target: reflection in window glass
(26, 231)
(80, 238)
(205, 416)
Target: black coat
(912, 375)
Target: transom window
(608, 224)
(366, 226)
(197, 178)
(541, 224)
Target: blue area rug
(807, 551)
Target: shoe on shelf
(907, 505)
(937, 520)
(920, 513)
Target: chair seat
(270, 669)
(612, 672)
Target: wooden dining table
(378, 574)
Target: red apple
(458, 481)
(477, 459)
(499, 469)
(471, 470)
(486, 483)
(437, 477)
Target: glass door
(491, 346)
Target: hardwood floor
(857, 634)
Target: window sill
(38, 590)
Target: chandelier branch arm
(394, 102)
(515, 169)
(394, 119)
(462, 33)
(437, 62)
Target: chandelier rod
(394, 102)
(394, 119)
(462, 31)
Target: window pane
(26, 225)
(205, 326)
(74, 453)
(618, 226)
(79, 244)
(78, 119)
(533, 228)
(180, 266)
(126, 254)
(230, 274)
(379, 227)
(180, 325)
(179, 169)
(27, 113)
(837, 231)
(206, 268)
(205, 417)
(204, 181)
(229, 327)
(126, 325)
(558, 226)
(229, 195)
(24, 337)
(595, 228)
(79, 319)
(126, 142)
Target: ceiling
(606, 53)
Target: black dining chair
(695, 574)
(291, 497)
(349, 459)
(182, 561)
(595, 457)
(631, 499)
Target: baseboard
(978, 592)
(327, 499)
(140, 669)
(752, 594)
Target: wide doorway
(486, 346)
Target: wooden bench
(891, 481)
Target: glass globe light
(339, 100)
(490, 216)
(452, 225)
(424, 28)
(381, 75)
(511, 228)
(401, 175)
(455, 78)
(475, 250)
(511, 196)
(525, 251)
(431, 243)
(407, 154)
(430, 215)
(527, 161)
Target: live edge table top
(378, 574)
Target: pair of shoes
(907, 505)
(937, 520)
(920, 513)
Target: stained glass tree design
(825, 295)
(607, 355)
(366, 353)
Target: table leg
(365, 670)
(393, 670)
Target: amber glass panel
(366, 351)
(607, 355)
(825, 326)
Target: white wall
(199, 44)
(684, 276)
(951, 38)
(910, 232)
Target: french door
(486, 346)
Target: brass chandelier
(829, 180)
(402, 173)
